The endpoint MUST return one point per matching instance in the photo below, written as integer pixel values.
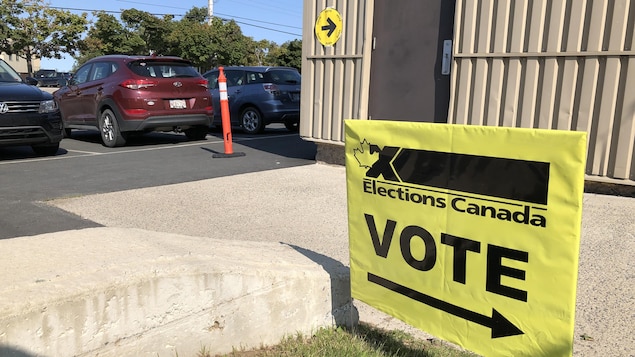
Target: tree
(206, 44)
(34, 30)
(262, 51)
(231, 46)
(152, 30)
(290, 55)
(193, 39)
(108, 36)
(196, 15)
(8, 21)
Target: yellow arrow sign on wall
(328, 26)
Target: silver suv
(258, 96)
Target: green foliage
(8, 21)
(196, 14)
(289, 54)
(231, 46)
(107, 36)
(31, 29)
(148, 31)
(363, 341)
(207, 44)
(194, 41)
(263, 53)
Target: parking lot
(83, 166)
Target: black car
(51, 78)
(28, 115)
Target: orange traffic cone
(224, 112)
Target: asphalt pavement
(84, 167)
(305, 206)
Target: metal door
(409, 75)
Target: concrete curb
(132, 292)
(304, 206)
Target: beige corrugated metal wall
(19, 64)
(335, 78)
(555, 64)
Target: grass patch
(362, 341)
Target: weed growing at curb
(362, 341)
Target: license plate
(177, 104)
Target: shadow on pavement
(282, 144)
(6, 351)
(133, 140)
(11, 153)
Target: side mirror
(31, 81)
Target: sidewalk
(305, 207)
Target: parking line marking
(91, 153)
(85, 152)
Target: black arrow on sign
(330, 27)
(501, 327)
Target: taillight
(203, 83)
(138, 83)
(271, 88)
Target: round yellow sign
(328, 26)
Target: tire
(46, 150)
(67, 132)
(109, 128)
(292, 126)
(251, 121)
(196, 133)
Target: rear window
(158, 69)
(279, 76)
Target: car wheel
(196, 133)
(251, 121)
(292, 125)
(46, 150)
(109, 128)
(67, 132)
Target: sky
(278, 21)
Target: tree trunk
(29, 64)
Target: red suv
(119, 95)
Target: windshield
(8, 74)
(45, 73)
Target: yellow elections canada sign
(469, 233)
